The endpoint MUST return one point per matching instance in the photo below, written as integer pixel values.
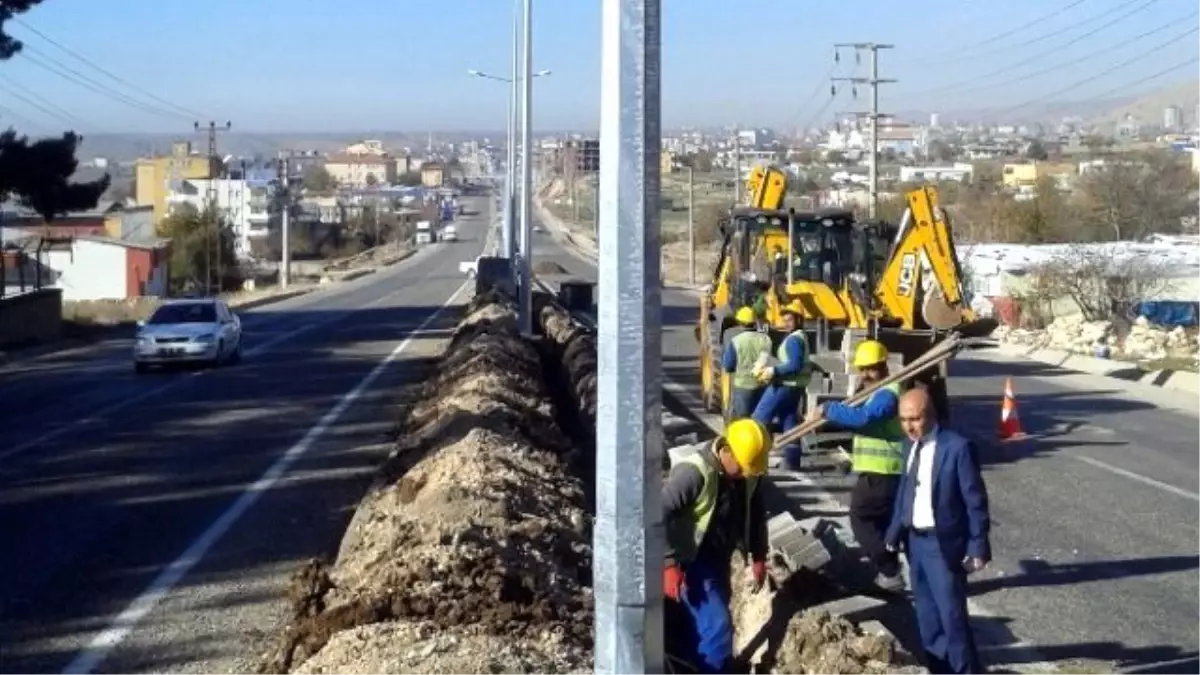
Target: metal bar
(525, 289)
(628, 540)
(691, 226)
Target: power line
(44, 104)
(186, 112)
(1112, 69)
(808, 100)
(1053, 33)
(1039, 55)
(1012, 31)
(18, 117)
(1142, 80)
(1086, 57)
(74, 76)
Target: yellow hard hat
(745, 316)
(869, 353)
(750, 443)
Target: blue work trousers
(782, 403)
(705, 640)
(940, 598)
(743, 401)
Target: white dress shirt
(922, 507)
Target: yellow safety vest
(879, 447)
(802, 378)
(749, 347)
(686, 534)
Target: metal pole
(510, 193)
(691, 226)
(737, 167)
(873, 164)
(628, 538)
(526, 288)
(285, 262)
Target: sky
(401, 65)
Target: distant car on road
(203, 331)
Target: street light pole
(510, 186)
(525, 288)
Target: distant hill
(1147, 107)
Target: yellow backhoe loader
(850, 280)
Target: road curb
(1174, 380)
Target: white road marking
(1138, 477)
(100, 646)
(175, 382)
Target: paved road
(1094, 521)
(119, 489)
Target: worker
(712, 509)
(742, 355)
(877, 456)
(788, 384)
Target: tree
(192, 234)
(939, 150)
(1037, 151)
(1138, 195)
(409, 179)
(38, 173)
(835, 157)
(318, 179)
(702, 161)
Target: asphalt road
(1094, 519)
(150, 523)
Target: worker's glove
(673, 582)
(758, 572)
(766, 374)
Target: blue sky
(401, 64)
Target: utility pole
(285, 208)
(214, 170)
(691, 226)
(525, 290)
(873, 115)
(737, 166)
(629, 537)
(510, 189)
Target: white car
(200, 331)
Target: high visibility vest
(749, 347)
(687, 534)
(802, 378)
(879, 447)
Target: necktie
(914, 471)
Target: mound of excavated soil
(472, 553)
(788, 639)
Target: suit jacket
(960, 500)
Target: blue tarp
(1170, 312)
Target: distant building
(960, 172)
(934, 119)
(1173, 118)
(433, 174)
(232, 197)
(100, 268)
(357, 170)
(156, 177)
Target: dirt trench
(472, 551)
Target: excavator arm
(921, 283)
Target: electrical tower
(873, 115)
(215, 170)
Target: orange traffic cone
(1010, 421)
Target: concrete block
(798, 547)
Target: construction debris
(472, 552)
(776, 634)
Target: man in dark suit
(941, 519)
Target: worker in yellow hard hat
(712, 508)
(877, 456)
(746, 352)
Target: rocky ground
(1143, 343)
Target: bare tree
(1138, 196)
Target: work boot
(893, 583)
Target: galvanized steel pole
(628, 537)
(510, 187)
(526, 279)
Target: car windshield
(192, 312)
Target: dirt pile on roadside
(472, 552)
(786, 638)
